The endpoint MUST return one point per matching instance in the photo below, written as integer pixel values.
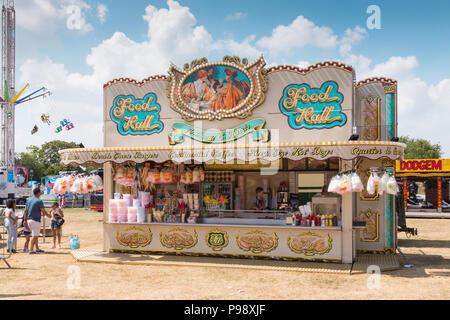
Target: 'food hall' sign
(313, 108)
(137, 116)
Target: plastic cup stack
(141, 216)
(113, 210)
(122, 213)
(132, 214)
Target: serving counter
(227, 239)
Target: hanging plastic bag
(333, 186)
(373, 183)
(183, 177)
(357, 185)
(383, 184)
(344, 184)
(202, 174)
(196, 175)
(392, 186)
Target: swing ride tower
(8, 86)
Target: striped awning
(228, 153)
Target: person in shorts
(32, 219)
(56, 213)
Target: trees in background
(45, 160)
(420, 148)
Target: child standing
(11, 224)
(56, 213)
(27, 234)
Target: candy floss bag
(373, 183)
(333, 186)
(357, 185)
(344, 184)
(383, 184)
(392, 187)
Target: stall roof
(227, 153)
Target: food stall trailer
(185, 153)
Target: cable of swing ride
(22, 99)
(41, 95)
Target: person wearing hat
(232, 92)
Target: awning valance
(227, 153)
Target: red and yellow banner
(423, 167)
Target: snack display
(345, 182)
(78, 184)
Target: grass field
(46, 276)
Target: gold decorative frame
(257, 241)
(382, 80)
(220, 235)
(373, 217)
(370, 99)
(134, 237)
(185, 240)
(309, 247)
(255, 72)
(319, 65)
(390, 88)
(134, 81)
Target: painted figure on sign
(199, 91)
(231, 94)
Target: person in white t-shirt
(11, 224)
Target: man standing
(32, 218)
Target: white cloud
(300, 33)
(48, 17)
(102, 11)
(245, 48)
(351, 37)
(235, 16)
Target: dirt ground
(49, 275)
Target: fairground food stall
(235, 159)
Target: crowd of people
(34, 210)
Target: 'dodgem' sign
(137, 116)
(313, 108)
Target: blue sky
(411, 46)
